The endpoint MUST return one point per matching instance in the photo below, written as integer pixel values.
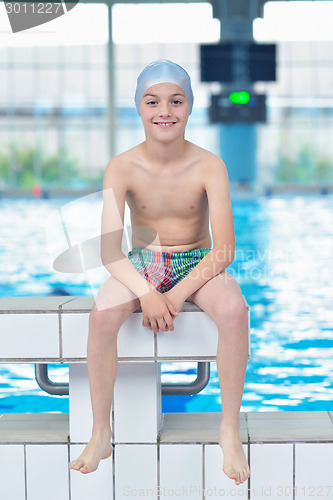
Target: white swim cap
(162, 71)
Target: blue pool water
(283, 265)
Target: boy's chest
(166, 195)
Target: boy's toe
(232, 474)
(86, 469)
(247, 473)
(243, 476)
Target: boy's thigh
(220, 292)
(114, 294)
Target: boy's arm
(222, 226)
(114, 194)
(155, 311)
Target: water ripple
(283, 263)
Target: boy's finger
(172, 310)
(162, 325)
(145, 322)
(169, 321)
(154, 325)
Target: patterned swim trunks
(165, 269)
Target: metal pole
(202, 379)
(111, 87)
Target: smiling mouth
(165, 124)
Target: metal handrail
(42, 379)
(202, 379)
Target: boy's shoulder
(122, 159)
(118, 166)
(204, 152)
(213, 171)
(210, 162)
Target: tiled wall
(24, 322)
(287, 470)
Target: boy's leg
(113, 305)
(221, 298)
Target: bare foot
(235, 465)
(98, 448)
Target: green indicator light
(239, 97)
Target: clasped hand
(160, 309)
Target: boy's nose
(164, 110)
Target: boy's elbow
(231, 260)
(110, 255)
(231, 253)
(225, 254)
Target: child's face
(164, 110)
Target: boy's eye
(175, 101)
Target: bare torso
(171, 200)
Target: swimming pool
(283, 264)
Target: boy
(171, 187)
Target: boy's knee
(233, 310)
(108, 317)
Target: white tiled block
(314, 470)
(75, 335)
(134, 340)
(47, 472)
(181, 470)
(12, 482)
(28, 304)
(137, 402)
(80, 414)
(29, 336)
(271, 471)
(135, 471)
(216, 478)
(195, 334)
(98, 485)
